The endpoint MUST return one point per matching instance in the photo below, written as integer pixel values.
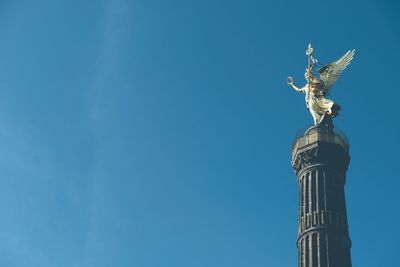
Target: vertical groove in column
(316, 191)
(328, 255)
(325, 193)
(315, 250)
(306, 198)
(319, 249)
(300, 204)
(307, 252)
(302, 195)
(320, 194)
(310, 251)
(299, 256)
(322, 250)
(313, 197)
(303, 245)
(343, 208)
(310, 194)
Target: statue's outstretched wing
(329, 74)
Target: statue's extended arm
(291, 83)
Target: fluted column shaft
(323, 237)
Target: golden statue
(316, 89)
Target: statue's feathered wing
(329, 74)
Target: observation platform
(307, 139)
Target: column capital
(320, 146)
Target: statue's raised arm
(316, 89)
(290, 82)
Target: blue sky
(158, 133)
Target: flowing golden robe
(317, 103)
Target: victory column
(320, 158)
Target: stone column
(320, 159)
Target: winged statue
(316, 89)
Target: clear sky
(154, 133)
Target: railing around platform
(314, 134)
